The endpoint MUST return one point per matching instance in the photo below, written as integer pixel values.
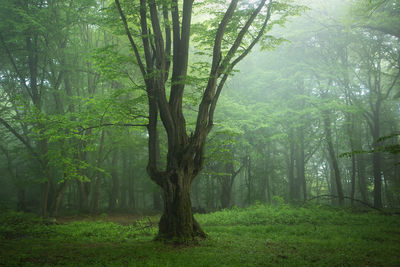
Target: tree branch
(241, 35)
(212, 80)
(145, 38)
(19, 137)
(128, 33)
(22, 80)
(233, 64)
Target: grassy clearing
(256, 236)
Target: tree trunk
(131, 192)
(294, 192)
(376, 164)
(96, 193)
(361, 177)
(177, 222)
(376, 157)
(45, 198)
(113, 203)
(300, 170)
(21, 205)
(124, 189)
(333, 159)
(353, 177)
(226, 191)
(266, 192)
(300, 163)
(59, 195)
(227, 184)
(84, 190)
(99, 175)
(157, 199)
(249, 181)
(317, 182)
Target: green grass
(256, 236)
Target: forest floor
(120, 218)
(256, 236)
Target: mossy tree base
(177, 224)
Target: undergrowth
(259, 235)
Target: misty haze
(199, 133)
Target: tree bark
(177, 222)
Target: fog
(135, 113)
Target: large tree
(165, 28)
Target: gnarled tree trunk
(177, 222)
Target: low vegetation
(256, 236)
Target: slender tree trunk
(226, 191)
(333, 159)
(294, 189)
(125, 181)
(249, 182)
(21, 205)
(227, 184)
(351, 135)
(376, 164)
(96, 194)
(266, 181)
(131, 192)
(376, 157)
(361, 176)
(290, 162)
(131, 183)
(113, 203)
(99, 176)
(388, 196)
(300, 170)
(84, 190)
(300, 163)
(45, 197)
(59, 195)
(317, 181)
